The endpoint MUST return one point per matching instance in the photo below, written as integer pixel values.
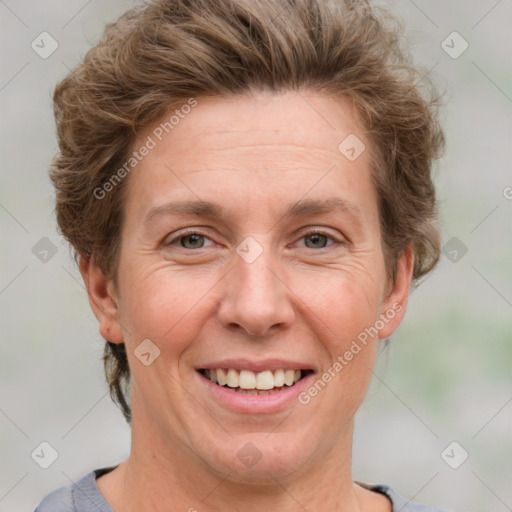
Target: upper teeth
(246, 379)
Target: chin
(261, 458)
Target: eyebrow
(198, 208)
(316, 206)
(299, 209)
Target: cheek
(168, 307)
(342, 311)
(341, 302)
(346, 316)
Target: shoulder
(81, 496)
(399, 502)
(58, 501)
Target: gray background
(446, 377)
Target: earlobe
(394, 305)
(102, 299)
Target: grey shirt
(85, 496)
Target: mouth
(247, 382)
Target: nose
(256, 298)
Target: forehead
(308, 120)
(272, 145)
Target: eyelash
(306, 234)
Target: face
(251, 252)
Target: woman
(247, 186)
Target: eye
(194, 241)
(317, 239)
(190, 240)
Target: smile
(247, 382)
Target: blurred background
(437, 421)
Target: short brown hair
(157, 56)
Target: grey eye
(317, 241)
(193, 241)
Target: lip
(255, 404)
(256, 366)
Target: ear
(102, 299)
(395, 303)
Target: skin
(303, 297)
